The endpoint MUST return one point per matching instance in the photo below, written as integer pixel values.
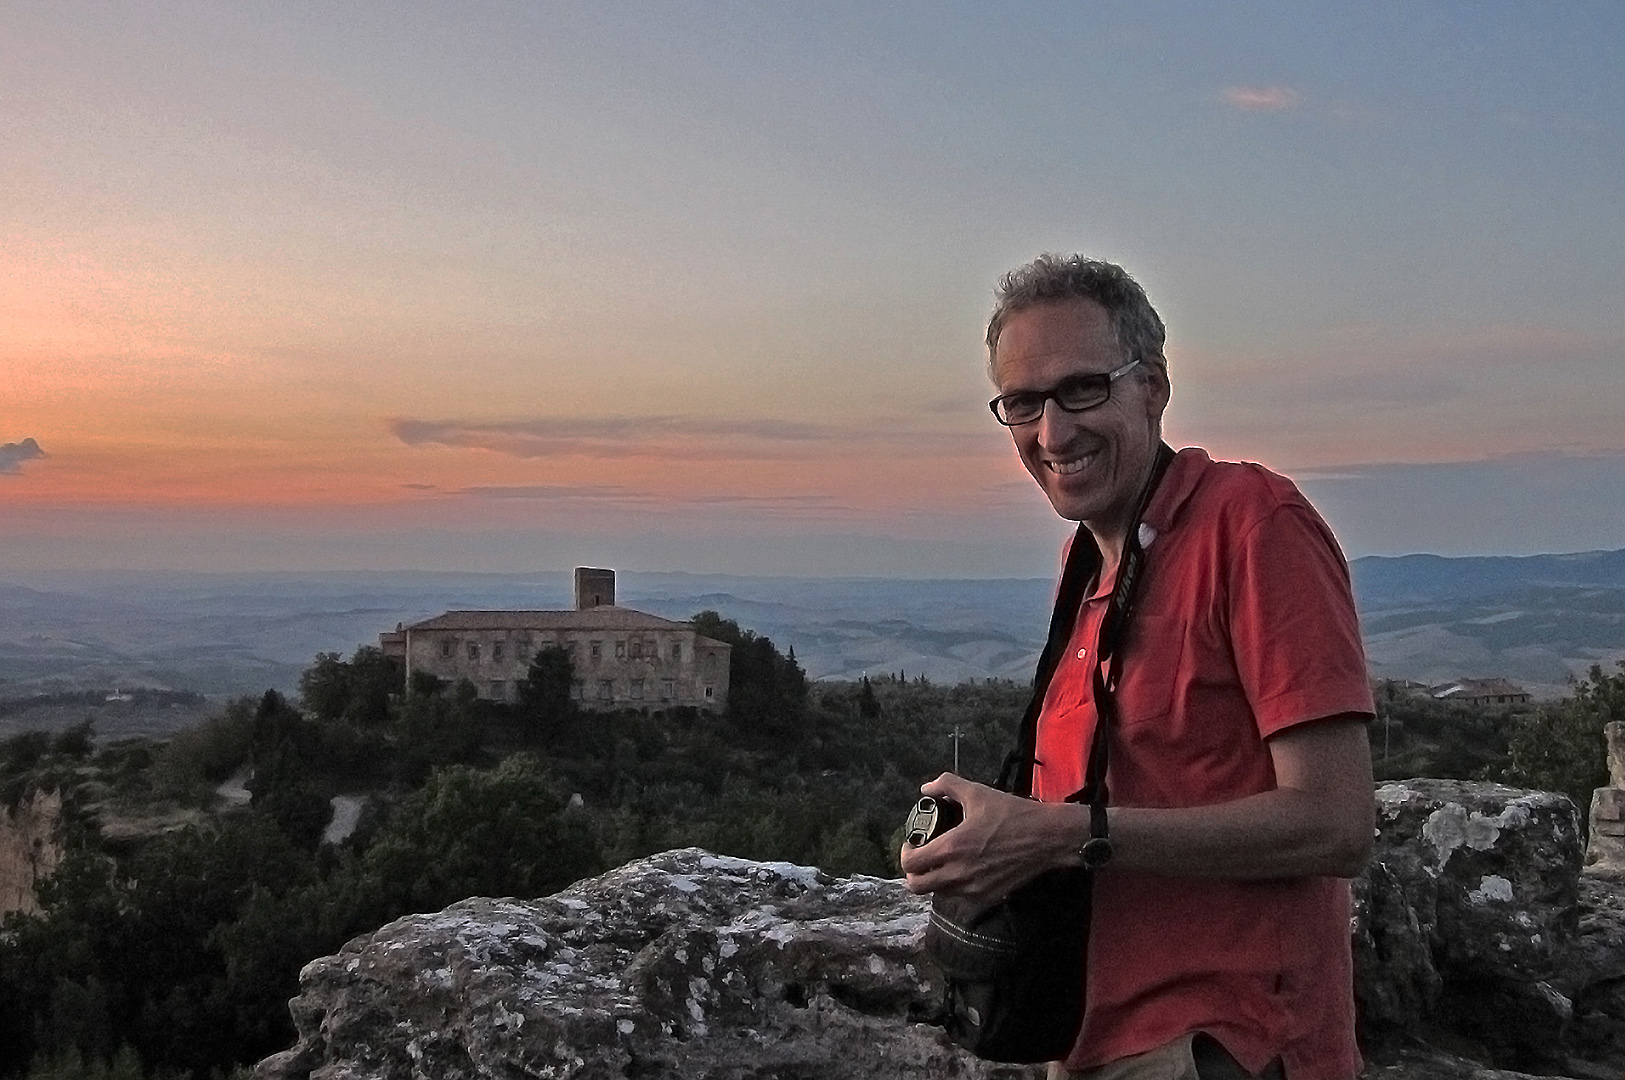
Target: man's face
(1091, 464)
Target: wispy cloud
(617, 497)
(12, 456)
(672, 437)
(1261, 98)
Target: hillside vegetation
(172, 935)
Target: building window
(597, 649)
(577, 689)
(708, 694)
(710, 660)
(637, 689)
(496, 651)
(570, 648)
(668, 689)
(499, 689)
(448, 647)
(637, 650)
(677, 650)
(606, 689)
(473, 650)
(620, 650)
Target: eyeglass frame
(1047, 396)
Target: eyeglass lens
(1074, 395)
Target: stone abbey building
(621, 657)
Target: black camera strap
(1082, 568)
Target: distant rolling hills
(1536, 620)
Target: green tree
(1560, 746)
(438, 729)
(868, 704)
(544, 696)
(767, 690)
(76, 741)
(357, 691)
(470, 832)
(285, 785)
(324, 686)
(126, 952)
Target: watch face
(1096, 852)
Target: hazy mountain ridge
(1383, 580)
(1535, 619)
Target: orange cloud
(1261, 98)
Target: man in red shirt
(1239, 773)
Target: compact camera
(931, 817)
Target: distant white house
(620, 657)
(1483, 692)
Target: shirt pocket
(1153, 660)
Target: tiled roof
(604, 618)
(1480, 688)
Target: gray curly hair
(1053, 277)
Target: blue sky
(700, 287)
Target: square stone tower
(594, 588)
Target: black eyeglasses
(1075, 393)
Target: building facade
(621, 658)
(1483, 692)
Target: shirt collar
(1177, 487)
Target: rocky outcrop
(685, 964)
(1605, 854)
(29, 849)
(1468, 914)
(1474, 933)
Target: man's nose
(1056, 426)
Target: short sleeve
(1293, 624)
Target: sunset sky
(510, 286)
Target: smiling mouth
(1067, 468)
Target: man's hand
(1317, 821)
(1003, 843)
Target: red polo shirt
(1244, 626)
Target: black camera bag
(1016, 973)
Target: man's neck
(1111, 541)
(1111, 533)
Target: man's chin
(1069, 509)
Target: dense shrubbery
(1554, 746)
(1559, 746)
(1416, 735)
(175, 955)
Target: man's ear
(1158, 389)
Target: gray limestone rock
(684, 964)
(1605, 853)
(1489, 876)
(1473, 930)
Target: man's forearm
(1317, 821)
(1281, 833)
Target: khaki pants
(1189, 1057)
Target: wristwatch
(1097, 850)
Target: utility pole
(956, 736)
